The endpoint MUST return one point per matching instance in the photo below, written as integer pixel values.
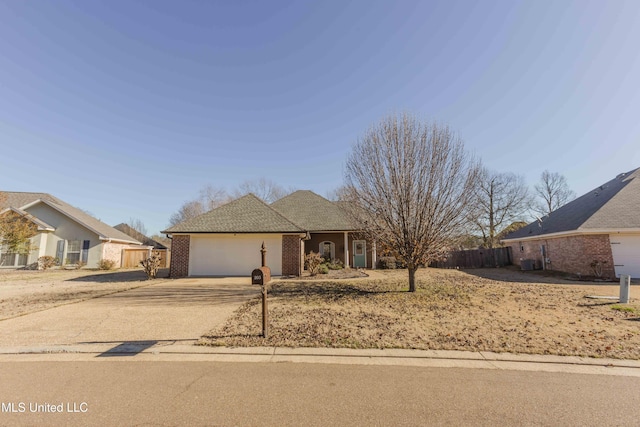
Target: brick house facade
(180, 255)
(601, 226)
(291, 255)
(571, 254)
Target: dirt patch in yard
(478, 310)
(28, 291)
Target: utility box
(527, 264)
(625, 285)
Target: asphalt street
(126, 392)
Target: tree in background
(553, 191)
(138, 225)
(499, 199)
(16, 230)
(211, 197)
(409, 184)
(263, 188)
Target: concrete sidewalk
(186, 352)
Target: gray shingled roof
(612, 206)
(248, 214)
(148, 241)
(20, 199)
(313, 212)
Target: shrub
(387, 263)
(151, 265)
(46, 262)
(323, 269)
(106, 264)
(312, 261)
(336, 264)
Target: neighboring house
(64, 232)
(226, 241)
(602, 226)
(132, 257)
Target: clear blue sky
(127, 108)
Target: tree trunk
(412, 279)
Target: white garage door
(626, 254)
(233, 255)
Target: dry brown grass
(506, 311)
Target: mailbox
(261, 276)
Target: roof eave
(579, 232)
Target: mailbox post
(262, 276)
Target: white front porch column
(346, 249)
(374, 255)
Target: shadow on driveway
(120, 276)
(173, 293)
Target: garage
(233, 254)
(626, 254)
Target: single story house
(64, 232)
(226, 241)
(599, 230)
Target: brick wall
(291, 255)
(180, 256)
(572, 254)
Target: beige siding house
(64, 232)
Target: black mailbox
(261, 276)
(257, 277)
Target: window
(8, 259)
(73, 252)
(328, 250)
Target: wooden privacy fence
(477, 258)
(131, 257)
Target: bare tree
(212, 197)
(138, 225)
(263, 188)
(337, 194)
(209, 197)
(554, 192)
(500, 199)
(410, 184)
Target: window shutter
(85, 250)
(60, 251)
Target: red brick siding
(180, 256)
(572, 254)
(291, 255)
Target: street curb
(169, 351)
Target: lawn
(500, 310)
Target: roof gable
(313, 212)
(24, 200)
(248, 214)
(614, 205)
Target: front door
(360, 253)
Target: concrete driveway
(170, 311)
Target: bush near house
(46, 262)
(151, 265)
(312, 262)
(106, 264)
